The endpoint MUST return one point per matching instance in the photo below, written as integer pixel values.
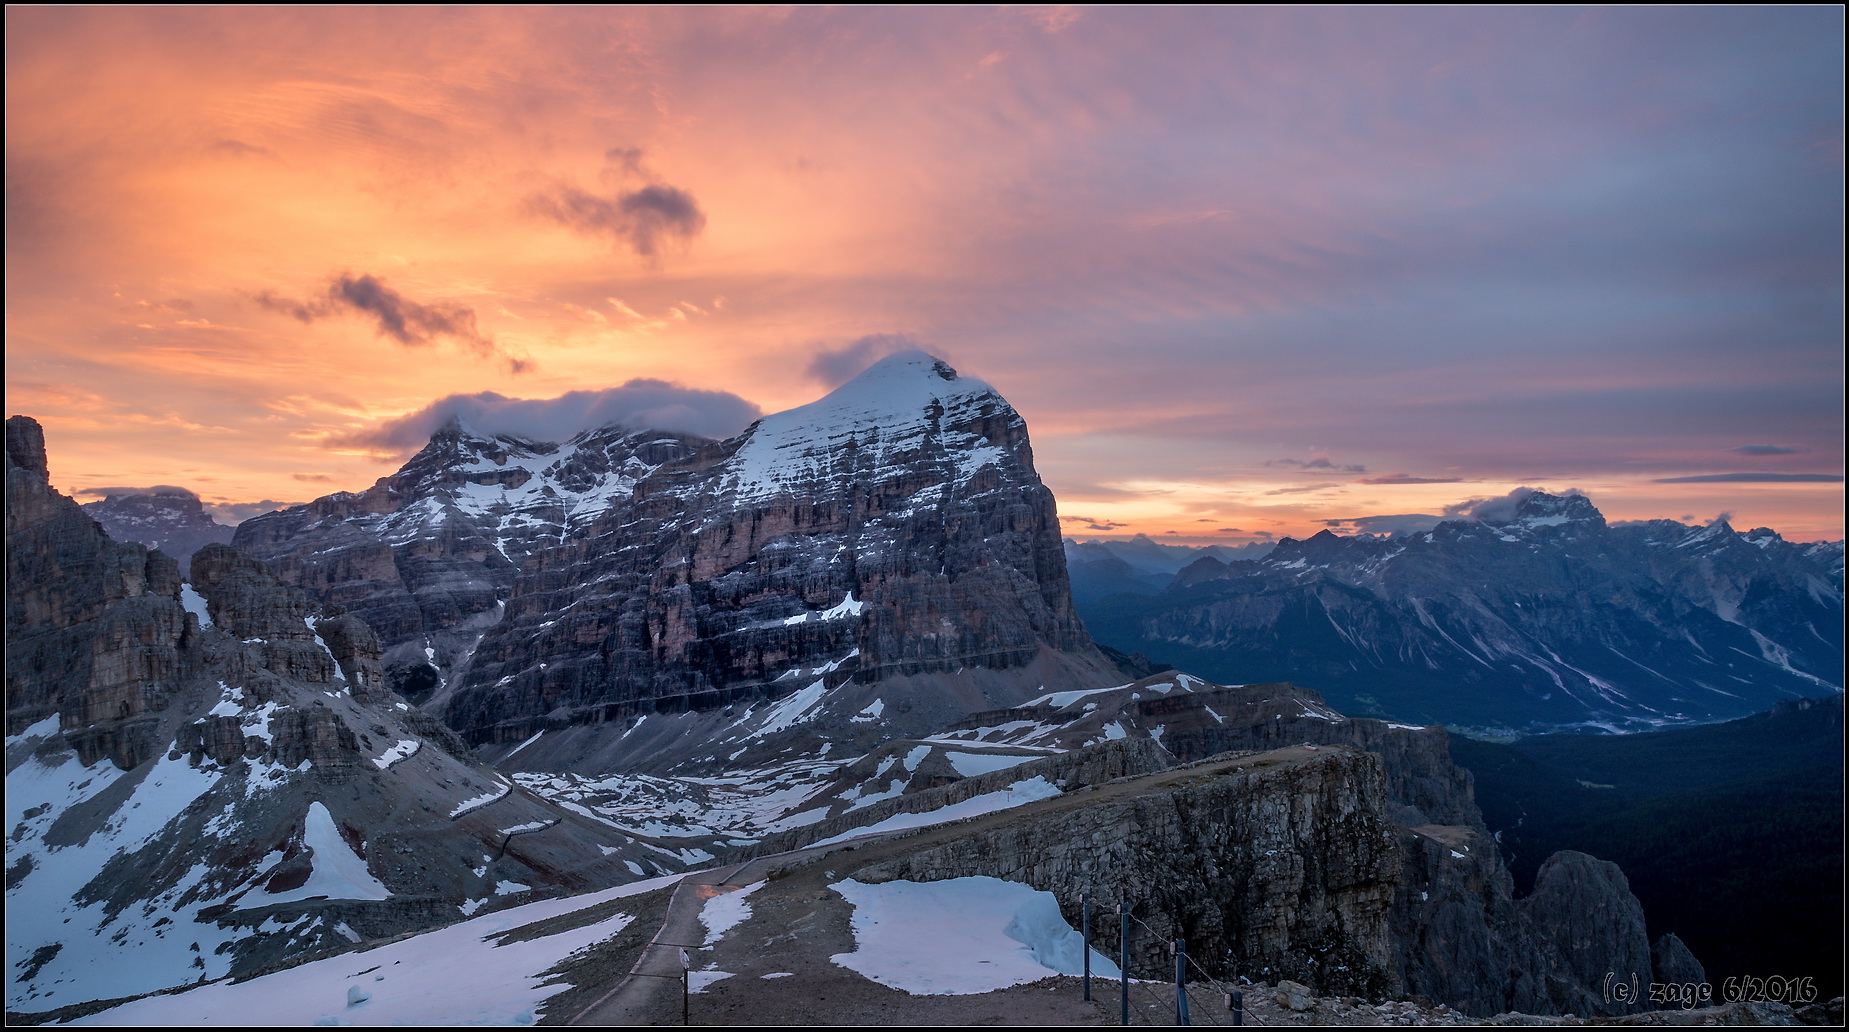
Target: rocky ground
(781, 971)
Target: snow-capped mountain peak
(902, 404)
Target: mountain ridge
(1594, 624)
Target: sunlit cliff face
(1244, 271)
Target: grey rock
(1673, 963)
(170, 519)
(184, 774)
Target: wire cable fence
(1227, 1009)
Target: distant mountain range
(1140, 565)
(171, 519)
(1546, 616)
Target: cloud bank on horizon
(1252, 267)
(639, 404)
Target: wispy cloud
(1318, 463)
(1754, 478)
(833, 367)
(1768, 449)
(1093, 524)
(1402, 478)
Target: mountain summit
(875, 562)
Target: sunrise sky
(1246, 272)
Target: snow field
(459, 975)
(960, 936)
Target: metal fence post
(1123, 960)
(1181, 981)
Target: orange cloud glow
(1183, 243)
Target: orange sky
(1244, 271)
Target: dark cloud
(651, 404)
(1093, 524)
(405, 321)
(408, 322)
(643, 220)
(313, 478)
(1767, 449)
(1318, 463)
(630, 158)
(1398, 523)
(1402, 478)
(157, 489)
(411, 323)
(836, 367)
(1754, 478)
(235, 513)
(303, 311)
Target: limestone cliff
(210, 777)
(893, 533)
(1457, 933)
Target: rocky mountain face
(211, 776)
(428, 555)
(1425, 904)
(892, 533)
(170, 519)
(1545, 616)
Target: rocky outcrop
(1458, 934)
(1283, 869)
(1193, 719)
(1543, 615)
(1673, 963)
(171, 519)
(95, 632)
(210, 777)
(428, 555)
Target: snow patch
(960, 936)
(195, 604)
(338, 872)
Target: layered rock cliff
(895, 528)
(210, 777)
(1455, 930)
(892, 533)
(428, 555)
